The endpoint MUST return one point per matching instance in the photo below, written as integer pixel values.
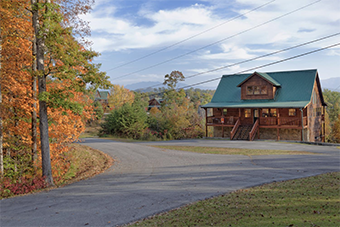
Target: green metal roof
(264, 76)
(103, 94)
(295, 90)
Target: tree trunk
(34, 92)
(43, 123)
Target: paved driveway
(145, 181)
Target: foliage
(177, 118)
(98, 109)
(23, 185)
(336, 131)
(126, 121)
(332, 98)
(68, 69)
(119, 96)
(172, 79)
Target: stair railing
(234, 130)
(252, 132)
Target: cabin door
(256, 115)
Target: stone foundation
(218, 131)
(285, 134)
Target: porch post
(278, 123)
(302, 136)
(206, 122)
(324, 124)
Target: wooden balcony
(282, 122)
(264, 122)
(221, 121)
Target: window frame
(272, 113)
(265, 112)
(256, 90)
(246, 113)
(289, 112)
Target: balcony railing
(263, 121)
(218, 120)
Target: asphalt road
(145, 181)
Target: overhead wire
(257, 67)
(256, 58)
(265, 65)
(191, 37)
(219, 41)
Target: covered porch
(256, 118)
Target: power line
(257, 67)
(265, 65)
(256, 58)
(214, 43)
(191, 37)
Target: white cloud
(152, 30)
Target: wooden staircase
(242, 132)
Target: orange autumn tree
(64, 59)
(67, 69)
(15, 80)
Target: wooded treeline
(45, 100)
(179, 115)
(332, 99)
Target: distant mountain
(148, 85)
(332, 84)
(151, 85)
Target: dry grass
(234, 151)
(86, 162)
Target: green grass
(312, 201)
(233, 151)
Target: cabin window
(249, 90)
(247, 113)
(224, 112)
(292, 112)
(273, 113)
(265, 112)
(318, 111)
(256, 90)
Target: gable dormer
(258, 86)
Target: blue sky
(125, 30)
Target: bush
(10, 187)
(126, 121)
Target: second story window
(256, 90)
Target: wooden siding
(257, 81)
(315, 116)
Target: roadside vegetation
(234, 151)
(84, 162)
(177, 117)
(332, 98)
(312, 201)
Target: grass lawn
(312, 201)
(233, 151)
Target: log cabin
(286, 105)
